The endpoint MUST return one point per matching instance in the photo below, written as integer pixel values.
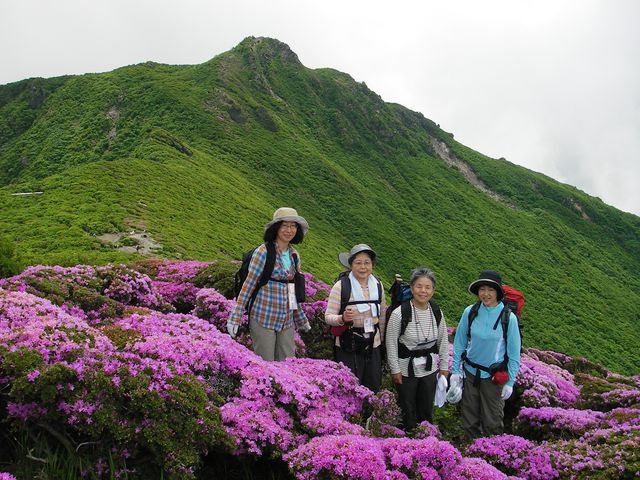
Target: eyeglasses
(290, 226)
(364, 263)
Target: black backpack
(241, 275)
(345, 293)
(400, 292)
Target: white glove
(441, 391)
(232, 328)
(305, 327)
(455, 379)
(506, 392)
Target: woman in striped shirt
(418, 352)
(355, 311)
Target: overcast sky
(551, 85)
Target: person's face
(488, 295)
(362, 266)
(422, 291)
(286, 231)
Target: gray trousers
(270, 344)
(415, 396)
(482, 408)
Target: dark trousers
(416, 397)
(482, 408)
(367, 366)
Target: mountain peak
(265, 48)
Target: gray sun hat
(490, 278)
(346, 257)
(287, 214)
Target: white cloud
(552, 85)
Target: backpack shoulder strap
(380, 297)
(345, 293)
(405, 312)
(265, 276)
(473, 313)
(268, 265)
(504, 320)
(436, 312)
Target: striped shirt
(331, 316)
(271, 305)
(422, 327)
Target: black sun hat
(490, 278)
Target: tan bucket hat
(287, 214)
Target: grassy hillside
(200, 156)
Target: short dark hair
(271, 233)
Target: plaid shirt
(271, 305)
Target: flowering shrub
(600, 453)
(354, 456)
(552, 358)
(386, 415)
(625, 397)
(314, 288)
(257, 425)
(174, 283)
(212, 306)
(515, 456)
(101, 292)
(547, 422)
(179, 271)
(426, 429)
(545, 385)
(70, 376)
(338, 456)
(91, 360)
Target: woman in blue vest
(485, 360)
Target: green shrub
(9, 263)
(218, 275)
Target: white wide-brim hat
(286, 214)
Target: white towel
(358, 295)
(441, 391)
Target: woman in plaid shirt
(274, 311)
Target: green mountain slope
(200, 156)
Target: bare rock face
(37, 95)
(444, 153)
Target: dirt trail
(145, 244)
